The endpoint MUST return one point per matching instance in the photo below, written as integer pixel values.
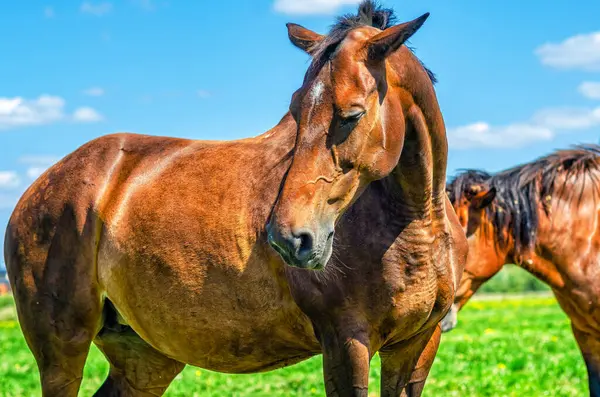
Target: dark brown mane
(369, 14)
(520, 190)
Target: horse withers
(544, 217)
(164, 252)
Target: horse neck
(526, 258)
(543, 269)
(272, 153)
(500, 250)
(282, 135)
(421, 170)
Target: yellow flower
(501, 366)
(8, 324)
(554, 339)
(488, 331)
(313, 390)
(198, 373)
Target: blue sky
(516, 79)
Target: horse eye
(344, 124)
(472, 191)
(352, 118)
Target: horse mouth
(312, 263)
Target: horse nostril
(305, 241)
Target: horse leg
(346, 360)
(421, 371)
(405, 365)
(590, 349)
(136, 368)
(59, 340)
(58, 300)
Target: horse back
(62, 209)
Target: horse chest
(416, 296)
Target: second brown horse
(545, 217)
(160, 250)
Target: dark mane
(461, 181)
(369, 14)
(520, 191)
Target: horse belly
(210, 317)
(231, 346)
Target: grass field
(502, 347)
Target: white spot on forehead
(317, 92)
(316, 95)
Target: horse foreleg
(590, 349)
(405, 365)
(346, 360)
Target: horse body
(158, 238)
(136, 241)
(556, 208)
(571, 266)
(208, 256)
(166, 252)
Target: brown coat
(156, 248)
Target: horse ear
(303, 38)
(484, 198)
(388, 41)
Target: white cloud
(581, 52)
(577, 52)
(46, 109)
(590, 89)
(9, 179)
(49, 12)
(39, 160)
(568, 118)
(306, 7)
(94, 91)
(86, 115)
(34, 172)
(203, 94)
(38, 164)
(484, 135)
(543, 126)
(17, 112)
(98, 9)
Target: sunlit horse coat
(161, 250)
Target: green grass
(513, 279)
(503, 347)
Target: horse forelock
(369, 14)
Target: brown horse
(545, 217)
(160, 250)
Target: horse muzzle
(302, 247)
